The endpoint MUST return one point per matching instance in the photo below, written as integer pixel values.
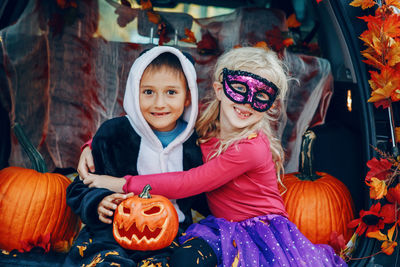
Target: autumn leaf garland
(382, 39)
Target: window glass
(111, 31)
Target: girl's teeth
(241, 113)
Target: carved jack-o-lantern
(145, 222)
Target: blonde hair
(249, 59)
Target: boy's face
(163, 97)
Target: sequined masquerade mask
(245, 87)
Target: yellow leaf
(363, 3)
(378, 188)
(391, 231)
(393, 55)
(81, 250)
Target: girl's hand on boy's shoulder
(109, 204)
(105, 181)
(86, 163)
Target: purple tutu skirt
(269, 240)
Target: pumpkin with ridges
(317, 202)
(34, 211)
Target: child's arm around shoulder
(238, 159)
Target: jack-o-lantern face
(145, 222)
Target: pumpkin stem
(306, 159)
(146, 192)
(37, 161)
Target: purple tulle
(269, 240)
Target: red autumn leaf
(337, 242)
(275, 39)
(393, 195)
(146, 4)
(385, 103)
(388, 212)
(292, 21)
(162, 33)
(372, 19)
(190, 38)
(363, 3)
(378, 168)
(207, 44)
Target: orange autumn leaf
(371, 58)
(377, 235)
(190, 38)
(391, 25)
(382, 78)
(261, 44)
(395, 96)
(364, 4)
(292, 21)
(388, 247)
(383, 84)
(378, 188)
(288, 42)
(393, 55)
(388, 244)
(395, 3)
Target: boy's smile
(163, 97)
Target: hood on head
(131, 98)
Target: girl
(243, 165)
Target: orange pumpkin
(317, 202)
(145, 222)
(34, 211)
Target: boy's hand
(86, 163)
(105, 181)
(109, 204)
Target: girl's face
(235, 116)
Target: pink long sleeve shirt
(239, 184)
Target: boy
(156, 135)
